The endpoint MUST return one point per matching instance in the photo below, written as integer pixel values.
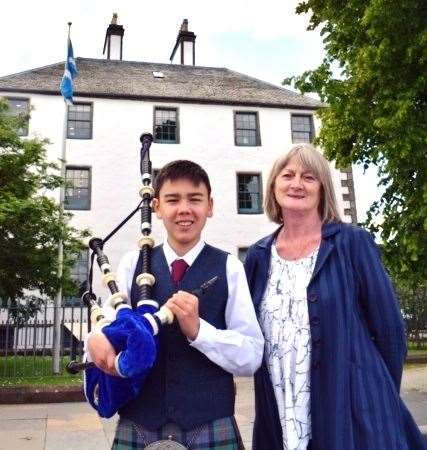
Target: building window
(242, 251)
(246, 129)
(166, 125)
(79, 124)
(78, 189)
(80, 275)
(20, 107)
(249, 195)
(302, 128)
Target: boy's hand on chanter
(102, 353)
(185, 307)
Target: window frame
(257, 128)
(261, 194)
(26, 130)
(312, 130)
(90, 121)
(177, 127)
(74, 300)
(89, 169)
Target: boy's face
(184, 208)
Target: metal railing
(26, 345)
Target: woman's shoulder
(350, 236)
(259, 252)
(266, 241)
(343, 229)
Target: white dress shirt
(239, 348)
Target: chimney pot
(184, 49)
(184, 26)
(113, 44)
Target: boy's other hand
(185, 306)
(102, 353)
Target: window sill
(247, 145)
(80, 138)
(76, 209)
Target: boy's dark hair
(180, 169)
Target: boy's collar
(189, 257)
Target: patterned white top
(285, 321)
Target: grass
(37, 370)
(34, 370)
(417, 351)
(53, 380)
(413, 348)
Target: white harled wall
(206, 136)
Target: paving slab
(245, 412)
(76, 426)
(22, 434)
(30, 411)
(416, 402)
(109, 426)
(415, 378)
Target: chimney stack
(184, 51)
(113, 43)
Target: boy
(188, 397)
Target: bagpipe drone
(133, 333)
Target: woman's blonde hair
(316, 163)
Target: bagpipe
(133, 332)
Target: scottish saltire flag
(70, 72)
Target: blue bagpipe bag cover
(133, 341)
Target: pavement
(75, 426)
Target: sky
(265, 40)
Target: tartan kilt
(220, 434)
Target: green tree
(31, 223)
(374, 82)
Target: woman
(335, 341)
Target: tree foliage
(31, 222)
(374, 81)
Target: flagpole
(56, 349)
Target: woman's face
(297, 189)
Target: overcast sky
(266, 39)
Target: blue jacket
(358, 349)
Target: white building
(234, 125)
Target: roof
(181, 83)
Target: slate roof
(181, 83)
